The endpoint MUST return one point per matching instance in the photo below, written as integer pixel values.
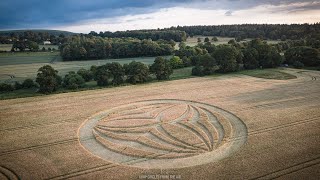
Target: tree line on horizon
(34, 36)
(262, 31)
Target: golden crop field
(225, 127)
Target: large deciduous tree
(117, 72)
(228, 58)
(250, 58)
(162, 68)
(48, 79)
(136, 72)
(102, 75)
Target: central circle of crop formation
(163, 134)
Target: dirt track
(39, 136)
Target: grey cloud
(228, 13)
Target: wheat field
(251, 128)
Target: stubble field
(226, 127)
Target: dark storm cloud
(42, 13)
(37, 13)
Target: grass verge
(268, 74)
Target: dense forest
(92, 47)
(263, 31)
(175, 35)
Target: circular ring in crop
(163, 134)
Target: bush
(18, 85)
(93, 69)
(87, 75)
(298, 65)
(4, 87)
(73, 81)
(198, 71)
(186, 61)
(176, 62)
(215, 39)
(28, 83)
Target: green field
(28, 58)
(7, 47)
(193, 41)
(268, 74)
(24, 65)
(182, 73)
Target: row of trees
(48, 80)
(155, 35)
(26, 84)
(302, 56)
(25, 45)
(109, 74)
(85, 48)
(55, 37)
(310, 42)
(264, 31)
(28, 46)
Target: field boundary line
(37, 146)
(290, 169)
(82, 172)
(284, 126)
(32, 126)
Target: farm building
(46, 42)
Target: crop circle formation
(163, 134)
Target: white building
(46, 42)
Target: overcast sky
(115, 15)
